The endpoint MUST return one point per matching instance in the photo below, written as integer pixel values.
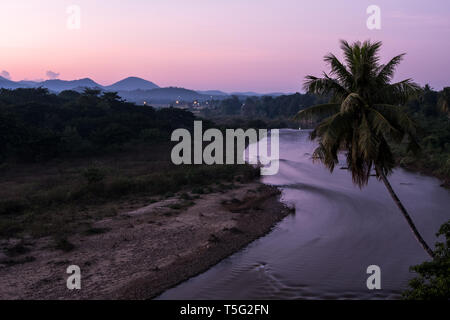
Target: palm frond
(340, 70)
(318, 111)
(397, 118)
(367, 141)
(385, 160)
(348, 54)
(386, 71)
(324, 86)
(397, 93)
(352, 103)
(359, 167)
(331, 133)
(444, 100)
(382, 125)
(402, 123)
(370, 56)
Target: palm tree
(363, 116)
(444, 101)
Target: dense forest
(266, 111)
(36, 125)
(430, 110)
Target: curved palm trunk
(405, 214)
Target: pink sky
(231, 45)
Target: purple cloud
(52, 75)
(5, 74)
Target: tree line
(36, 125)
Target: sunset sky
(230, 45)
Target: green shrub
(120, 186)
(93, 175)
(64, 245)
(151, 135)
(433, 281)
(94, 231)
(185, 196)
(12, 206)
(198, 190)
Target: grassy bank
(61, 197)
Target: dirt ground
(139, 254)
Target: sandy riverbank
(146, 251)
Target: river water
(323, 250)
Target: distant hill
(80, 89)
(216, 93)
(255, 94)
(57, 85)
(8, 84)
(163, 95)
(213, 93)
(133, 89)
(28, 83)
(131, 83)
(60, 85)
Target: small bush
(185, 196)
(17, 250)
(64, 245)
(121, 186)
(93, 231)
(433, 281)
(12, 206)
(93, 175)
(198, 190)
(151, 135)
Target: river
(323, 250)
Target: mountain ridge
(58, 85)
(133, 89)
(131, 83)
